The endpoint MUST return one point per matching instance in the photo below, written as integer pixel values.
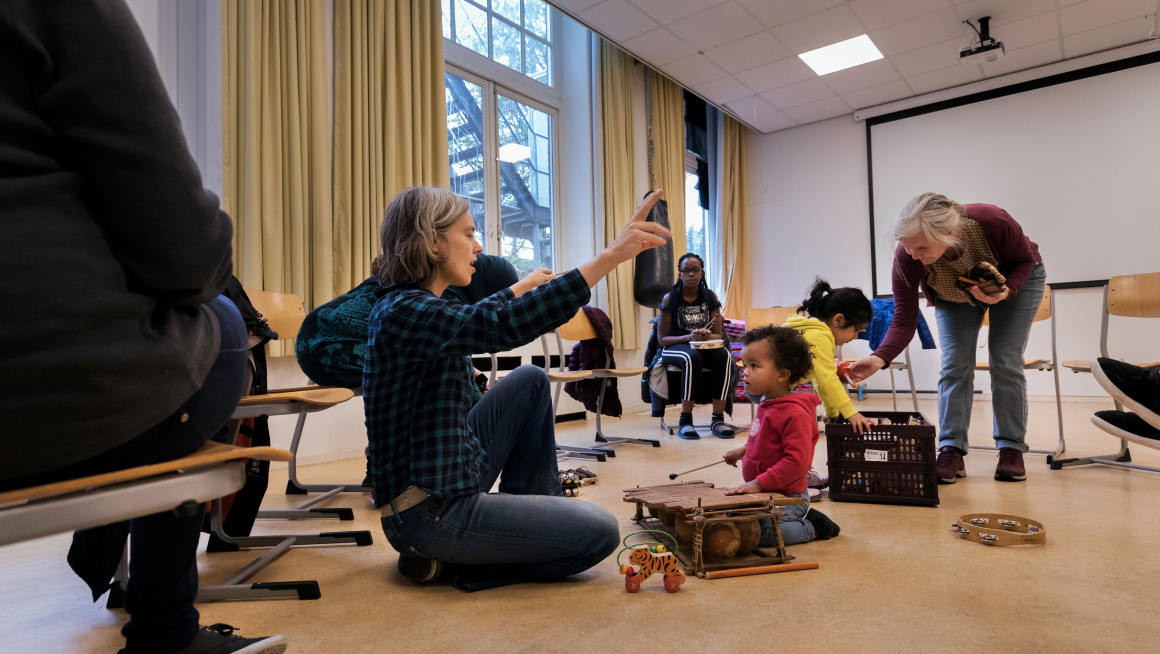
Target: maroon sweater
(1017, 255)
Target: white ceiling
(741, 54)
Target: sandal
(688, 432)
(722, 430)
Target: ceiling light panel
(842, 55)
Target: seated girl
(691, 312)
(434, 457)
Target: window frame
(691, 160)
(465, 58)
(493, 229)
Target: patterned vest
(942, 275)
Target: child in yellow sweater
(834, 316)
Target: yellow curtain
(738, 297)
(668, 152)
(390, 126)
(616, 140)
(276, 145)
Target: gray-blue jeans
(958, 333)
(526, 532)
(795, 529)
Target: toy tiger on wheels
(651, 558)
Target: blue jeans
(958, 333)
(526, 532)
(795, 529)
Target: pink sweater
(1016, 253)
(780, 449)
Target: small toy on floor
(651, 557)
(570, 483)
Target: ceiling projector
(985, 49)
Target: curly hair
(789, 349)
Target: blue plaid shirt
(417, 379)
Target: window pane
(446, 18)
(509, 9)
(465, 146)
(695, 223)
(471, 26)
(539, 60)
(506, 45)
(536, 19)
(525, 138)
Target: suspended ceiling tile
(751, 107)
(749, 52)
(1029, 31)
(1106, 38)
(793, 95)
(918, 32)
(1032, 56)
(876, 14)
(618, 20)
(575, 6)
(693, 70)
(820, 110)
(859, 77)
(821, 29)
(779, 73)
(1004, 11)
(1099, 13)
(945, 78)
(876, 95)
(669, 11)
(771, 122)
(712, 27)
(931, 57)
(658, 47)
(779, 12)
(720, 91)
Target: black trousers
(692, 361)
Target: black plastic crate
(892, 464)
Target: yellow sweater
(825, 373)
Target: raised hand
(533, 280)
(639, 235)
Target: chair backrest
(775, 316)
(579, 328)
(1134, 296)
(1043, 313)
(283, 311)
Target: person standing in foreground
(967, 260)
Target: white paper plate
(707, 345)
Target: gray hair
(932, 215)
(412, 225)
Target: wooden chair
(1046, 311)
(284, 313)
(1128, 296)
(579, 328)
(213, 471)
(558, 378)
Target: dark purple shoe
(1136, 388)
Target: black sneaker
(1137, 388)
(419, 568)
(688, 432)
(220, 639)
(824, 528)
(1125, 425)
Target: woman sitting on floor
(434, 457)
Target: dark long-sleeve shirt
(110, 244)
(1017, 256)
(417, 380)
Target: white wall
(808, 211)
